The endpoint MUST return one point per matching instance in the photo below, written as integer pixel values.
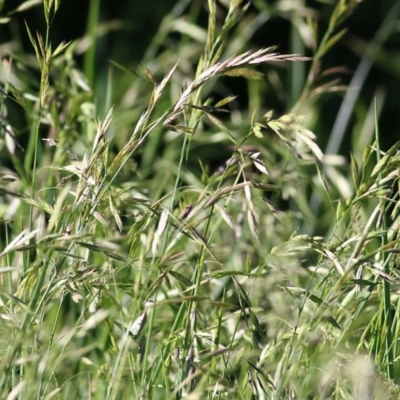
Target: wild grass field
(166, 233)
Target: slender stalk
(387, 309)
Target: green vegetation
(162, 238)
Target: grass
(180, 244)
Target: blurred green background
(127, 28)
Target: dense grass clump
(162, 237)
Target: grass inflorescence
(162, 240)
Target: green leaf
(179, 277)
(333, 322)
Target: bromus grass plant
(160, 239)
